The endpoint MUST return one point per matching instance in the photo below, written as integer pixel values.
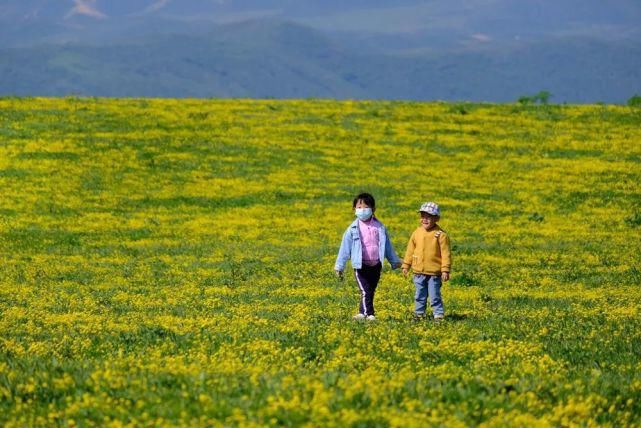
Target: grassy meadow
(170, 262)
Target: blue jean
(428, 284)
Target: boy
(366, 242)
(428, 254)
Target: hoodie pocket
(417, 262)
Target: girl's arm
(344, 252)
(390, 254)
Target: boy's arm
(390, 254)
(446, 254)
(344, 252)
(407, 260)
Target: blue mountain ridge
(475, 50)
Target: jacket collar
(355, 222)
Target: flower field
(170, 262)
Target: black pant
(367, 279)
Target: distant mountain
(65, 9)
(494, 50)
(421, 23)
(286, 60)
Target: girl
(366, 242)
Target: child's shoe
(371, 318)
(418, 317)
(359, 317)
(438, 318)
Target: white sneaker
(438, 318)
(371, 318)
(358, 317)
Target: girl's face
(361, 204)
(428, 221)
(363, 211)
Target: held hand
(445, 276)
(397, 265)
(405, 272)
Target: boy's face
(428, 221)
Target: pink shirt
(369, 238)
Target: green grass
(170, 262)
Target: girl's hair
(365, 197)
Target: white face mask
(364, 214)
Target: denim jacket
(351, 248)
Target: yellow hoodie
(428, 251)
